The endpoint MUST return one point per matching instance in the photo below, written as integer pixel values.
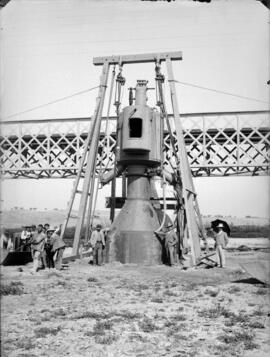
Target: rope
(221, 92)
(52, 102)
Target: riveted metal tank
(140, 132)
(131, 238)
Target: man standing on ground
(58, 247)
(25, 237)
(98, 243)
(48, 249)
(221, 241)
(170, 243)
(37, 245)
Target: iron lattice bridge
(218, 144)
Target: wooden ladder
(87, 169)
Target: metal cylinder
(131, 238)
(140, 96)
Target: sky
(47, 49)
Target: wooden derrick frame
(45, 148)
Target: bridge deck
(217, 144)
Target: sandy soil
(125, 310)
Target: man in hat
(58, 247)
(25, 236)
(170, 243)
(37, 242)
(98, 243)
(48, 249)
(221, 241)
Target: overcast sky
(47, 47)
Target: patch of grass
(105, 340)
(128, 315)
(169, 293)
(257, 312)
(92, 315)
(58, 312)
(124, 314)
(179, 317)
(180, 337)
(13, 288)
(262, 291)
(102, 333)
(138, 287)
(44, 331)
(170, 323)
(189, 287)
(157, 300)
(180, 308)
(211, 292)
(147, 325)
(234, 319)
(214, 312)
(25, 343)
(92, 279)
(244, 337)
(100, 326)
(61, 283)
(256, 324)
(234, 289)
(136, 337)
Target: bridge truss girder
(218, 144)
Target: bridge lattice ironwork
(218, 144)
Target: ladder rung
(80, 192)
(72, 216)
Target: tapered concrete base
(131, 238)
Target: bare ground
(125, 310)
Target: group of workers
(170, 240)
(47, 246)
(218, 233)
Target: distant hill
(21, 217)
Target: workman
(171, 240)
(58, 247)
(221, 241)
(46, 227)
(98, 243)
(25, 237)
(37, 245)
(48, 249)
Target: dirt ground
(126, 310)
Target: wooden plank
(140, 58)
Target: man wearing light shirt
(98, 242)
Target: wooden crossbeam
(139, 58)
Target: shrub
(147, 325)
(92, 280)
(241, 336)
(105, 340)
(44, 331)
(215, 312)
(256, 324)
(157, 300)
(14, 288)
